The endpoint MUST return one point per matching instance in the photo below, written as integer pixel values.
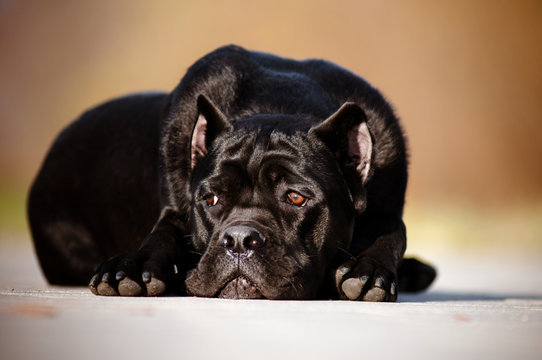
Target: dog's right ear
(210, 124)
(347, 135)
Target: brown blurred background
(464, 76)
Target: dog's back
(96, 192)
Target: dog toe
(155, 287)
(105, 289)
(93, 284)
(382, 290)
(353, 287)
(375, 294)
(156, 275)
(128, 287)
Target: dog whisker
(292, 285)
(352, 257)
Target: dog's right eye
(211, 200)
(296, 199)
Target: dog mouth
(240, 288)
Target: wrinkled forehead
(271, 150)
(253, 149)
(264, 124)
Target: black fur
(194, 189)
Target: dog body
(258, 176)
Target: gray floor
(490, 309)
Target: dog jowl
(257, 177)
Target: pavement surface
(477, 309)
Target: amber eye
(297, 199)
(211, 200)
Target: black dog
(258, 176)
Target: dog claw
(379, 282)
(340, 273)
(393, 289)
(105, 278)
(146, 277)
(128, 287)
(92, 284)
(120, 275)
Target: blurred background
(465, 77)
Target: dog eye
(211, 200)
(296, 199)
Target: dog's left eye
(296, 199)
(211, 200)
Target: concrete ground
(478, 309)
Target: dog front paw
(365, 279)
(133, 274)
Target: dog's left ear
(210, 124)
(346, 133)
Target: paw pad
(352, 287)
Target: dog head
(274, 198)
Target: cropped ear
(210, 124)
(347, 135)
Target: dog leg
(379, 241)
(151, 270)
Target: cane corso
(257, 177)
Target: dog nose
(241, 239)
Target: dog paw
(367, 280)
(134, 274)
